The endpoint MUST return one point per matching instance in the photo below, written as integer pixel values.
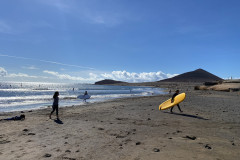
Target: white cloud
(14, 75)
(90, 77)
(93, 76)
(30, 67)
(115, 75)
(64, 76)
(137, 77)
(3, 72)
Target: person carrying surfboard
(85, 95)
(172, 100)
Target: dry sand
(129, 129)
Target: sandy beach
(129, 129)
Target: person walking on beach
(84, 99)
(55, 104)
(174, 95)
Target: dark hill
(108, 81)
(198, 75)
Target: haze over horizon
(84, 41)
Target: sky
(84, 41)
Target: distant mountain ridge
(198, 75)
(108, 81)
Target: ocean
(35, 95)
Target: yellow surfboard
(168, 104)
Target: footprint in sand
(138, 143)
(4, 141)
(47, 155)
(25, 130)
(190, 137)
(119, 136)
(156, 150)
(179, 131)
(127, 140)
(31, 134)
(69, 158)
(207, 146)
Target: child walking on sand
(55, 104)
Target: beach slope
(129, 129)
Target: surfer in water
(174, 95)
(55, 104)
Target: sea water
(32, 95)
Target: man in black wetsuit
(175, 94)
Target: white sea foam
(25, 96)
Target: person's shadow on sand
(58, 121)
(187, 115)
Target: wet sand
(129, 129)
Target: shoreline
(72, 106)
(83, 104)
(29, 100)
(129, 128)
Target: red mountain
(198, 75)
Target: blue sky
(130, 40)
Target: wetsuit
(175, 94)
(16, 118)
(55, 106)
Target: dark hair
(56, 94)
(22, 116)
(177, 90)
